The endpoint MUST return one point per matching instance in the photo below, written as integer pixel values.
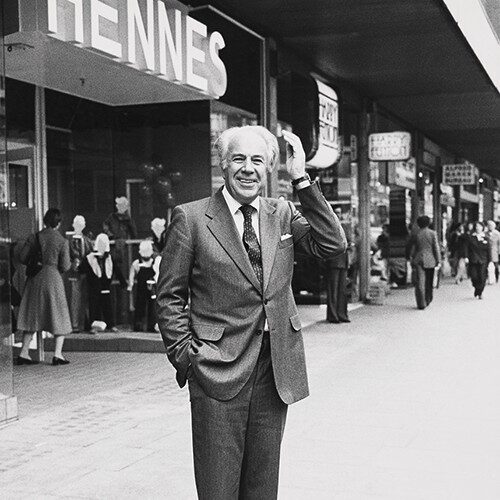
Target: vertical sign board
(459, 174)
(327, 151)
(389, 146)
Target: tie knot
(247, 211)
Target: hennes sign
(154, 36)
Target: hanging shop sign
(460, 174)
(157, 37)
(327, 148)
(402, 173)
(390, 146)
(468, 196)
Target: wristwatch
(305, 177)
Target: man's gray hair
(224, 139)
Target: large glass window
(156, 155)
(8, 404)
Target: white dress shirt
(234, 208)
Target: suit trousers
(336, 290)
(424, 278)
(478, 276)
(236, 443)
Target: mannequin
(76, 284)
(144, 273)
(158, 233)
(100, 270)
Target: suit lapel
(221, 225)
(269, 226)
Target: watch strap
(301, 179)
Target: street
(404, 405)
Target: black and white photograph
(249, 250)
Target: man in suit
(239, 341)
(425, 256)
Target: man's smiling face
(246, 166)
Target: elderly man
(239, 342)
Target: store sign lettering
(328, 128)
(392, 146)
(145, 34)
(459, 174)
(402, 173)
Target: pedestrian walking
(477, 257)
(239, 343)
(494, 246)
(43, 306)
(425, 257)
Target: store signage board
(402, 173)
(459, 174)
(389, 146)
(154, 36)
(327, 152)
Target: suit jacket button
(258, 332)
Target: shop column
(364, 201)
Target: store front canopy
(410, 56)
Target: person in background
(144, 275)
(494, 242)
(335, 272)
(478, 249)
(460, 253)
(43, 305)
(158, 234)
(383, 244)
(119, 225)
(336, 289)
(76, 285)
(100, 269)
(425, 257)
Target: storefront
(121, 99)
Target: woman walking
(477, 258)
(44, 306)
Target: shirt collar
(234, 205)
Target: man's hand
(295, 155)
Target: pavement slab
(404, 405)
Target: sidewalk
(127, 341)
(404, 405)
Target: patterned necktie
(251, 243)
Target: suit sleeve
(173, 292)
(318, 231)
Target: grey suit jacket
(424, 249)
(211, 309)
